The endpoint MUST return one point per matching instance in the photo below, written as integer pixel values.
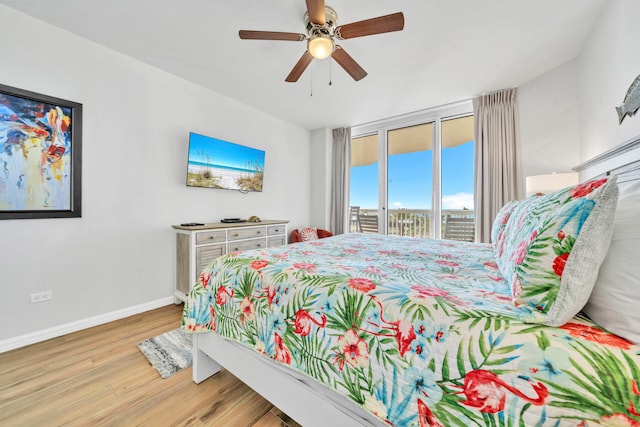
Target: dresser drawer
(205, 256)
(198, 246)
(211, 237)
(247, 233)
(275, 241)
(245, 245)
(275, 229)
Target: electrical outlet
(41, 296)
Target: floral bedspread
(417, 332)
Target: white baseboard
(56, 331)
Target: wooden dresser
(198, 246)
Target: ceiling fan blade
(299, 68)
(316, 11)
(271, 35)
(381, 24)
(348, 63)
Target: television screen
(214, 163)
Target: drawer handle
(236, 249)
(258, 232)
(236, 235)
(210, 237)
(259, 244)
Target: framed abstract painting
(40, 155)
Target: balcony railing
(416, 222)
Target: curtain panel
(341, 161)
(498, 169)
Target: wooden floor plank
(269, 420)
(98, 377)
(247, 410)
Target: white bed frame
(310, 403)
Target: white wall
(567, 116)
(321, 153)
(135, 135)
(549, 121)
(608, 63)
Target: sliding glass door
(363, 200)
(415, 175)
(409, 180)
(457, 179)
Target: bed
(362, 329)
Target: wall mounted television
(214, 163)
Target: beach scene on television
(214, 163)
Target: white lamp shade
(550, 182)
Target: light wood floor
(99, 377)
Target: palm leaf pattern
(538, 240)
(417, 332)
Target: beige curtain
(498, 171)
(339, 179)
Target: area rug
(168, 353)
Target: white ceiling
(448, 51)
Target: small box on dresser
(198, 246)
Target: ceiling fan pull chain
(311, 82)
(330, 68)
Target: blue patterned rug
(168, 353)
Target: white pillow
(615, 301)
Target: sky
(409, 184)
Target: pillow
(613, 304)
(308, 233)
(500, 222)
(554, 245)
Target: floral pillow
(553, 247)
(499, 224)
(308, 233)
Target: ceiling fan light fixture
(321, 46)
(322, 31)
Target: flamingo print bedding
(417, 332)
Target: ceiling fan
(322, 31)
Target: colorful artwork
(39, 155)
